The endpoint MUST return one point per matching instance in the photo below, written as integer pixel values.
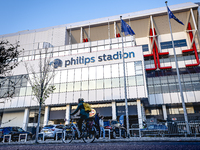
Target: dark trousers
(80, 121)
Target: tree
(8, 57)
(8, 60)
(41, 83)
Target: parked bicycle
(88, 133)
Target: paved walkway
(106, 140)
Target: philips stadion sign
(105, 57)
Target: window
(115, 82)
(77, 86)
(107, 83)
(177, 43)
(63, 87)
(92, 85)
(145, 48)
(99, 84)
(70, 87)
(131, 81)
(139, 80)
(85, 85)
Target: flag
(126, 28)
(171, 15)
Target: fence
(169, 128)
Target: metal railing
(170, 128)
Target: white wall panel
(108, 94)
(184, 96)
(130, 69)
(70, 97)
(55, 98)
(140, 91)
(27, 101)
(122, 93)
(100, 95)
(2, 103)
(8, 103)
(133, 92)
(174, 97)
(116, 93)
(92, 95)
(14, 102)
(62, 98)
(152, 99)
(15, 117)
(181, 64)
(197, 95)
(59, 36)
(48, 100)
(77, 95)
(191, 96)
(20, 102)
(57, 77)
(159, 98)
(166, 98)
(84, 94)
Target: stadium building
(89, 55)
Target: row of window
(173, 79)
(178, 110)
(169, 84)
(87, 85)
(171, 88)
(88, 78)
(169, 72)
(99, 84)
(170, 59)
(177, 43)
(98, 72)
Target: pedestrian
(101, 124)
(96, 120)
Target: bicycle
(88, 132)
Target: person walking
(101, 124)
(96, 120)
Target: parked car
(15, 132)
(154, 130)
(50, 131)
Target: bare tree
(41, 83)
(9, 54)
(8, 57)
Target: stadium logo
(56, 63)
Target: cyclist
(83, 114)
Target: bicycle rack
(57, 135)
(25, 139)
(4, 137)
(42, 135)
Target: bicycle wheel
(68, 134)
(88, 133)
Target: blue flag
(126, 28)
(171, 15)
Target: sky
(19, 15)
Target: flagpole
(125, 92)
(178, 75)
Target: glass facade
(177, 43)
